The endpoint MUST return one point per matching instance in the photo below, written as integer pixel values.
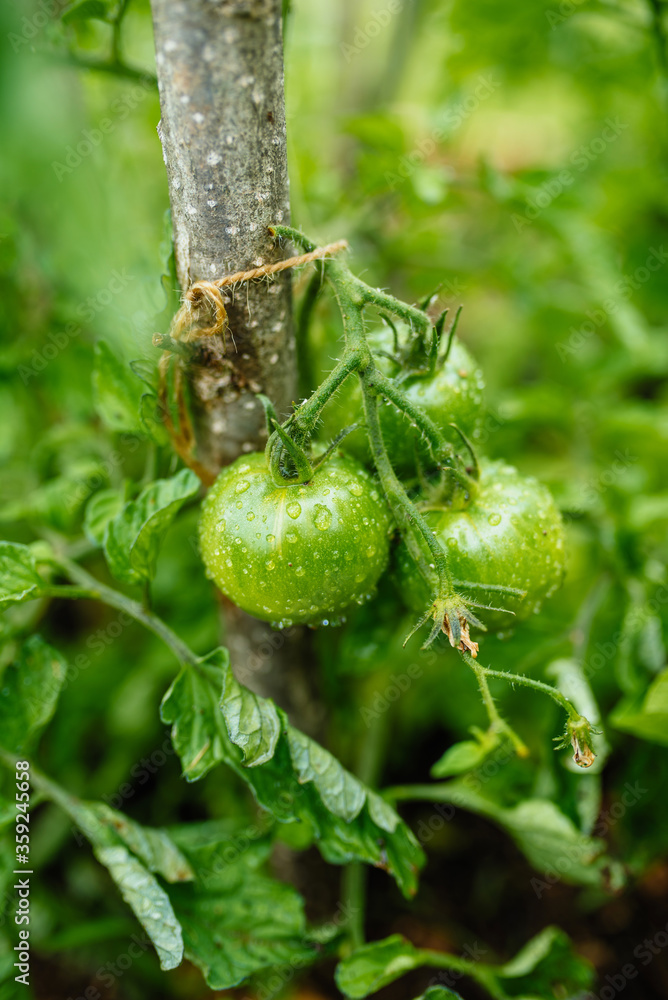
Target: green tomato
(295, 554)
(510, 535)
(452, 395)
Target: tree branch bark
(220, 75)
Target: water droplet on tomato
(242, 486)
(271, 538)
(323, 517)
(291, 537)
(494, 519)
(299, 571)
(270, 564)
(355, 488)
(294, 510)
(250, 516)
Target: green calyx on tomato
(451, 394)
(297, 554)
(506, 546)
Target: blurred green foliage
(516, 156)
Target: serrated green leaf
(109, 833)
(133, 538)
(236, 921)
(252, 723)
(191, 706)
(100, 510)
(258, 924)
(148, 901)
(152, 846)
(299, 782)
(29, 691)
(19, 579)
(117, 391)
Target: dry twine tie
(183, 329)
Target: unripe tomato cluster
(306, 553)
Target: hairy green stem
(523, 681)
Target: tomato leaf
(191, 706)
(549, 839)
(100, 510)
(374, 965)
(115, 838)
(29, 693)
(438, 993)
(133, 538)
(546, 965)
(236, 921)
(291, 776)
(645, 716)
(117, 391)
(19, 579)
(148, 901)
(463, 757)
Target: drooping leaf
(148, 901)
(154, 847)
(100, 510)
(29, 691)
(109, 833)
(133, 538)
(19, 579)
(291, 776)
(117, 391)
